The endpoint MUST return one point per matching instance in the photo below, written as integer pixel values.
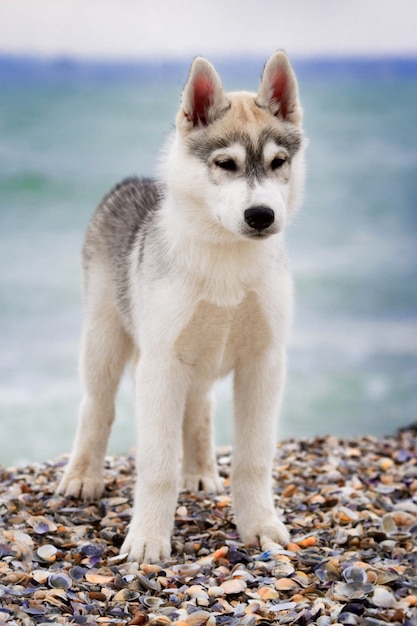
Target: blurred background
(88, 92)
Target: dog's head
(236, 158)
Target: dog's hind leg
(199, 460)
(105, 349)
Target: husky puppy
(187, 277)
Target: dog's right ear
(203, 98)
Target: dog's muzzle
(259, 217)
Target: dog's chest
(202, 342)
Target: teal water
(67, 136)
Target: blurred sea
(70, 130)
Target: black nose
(259, 217)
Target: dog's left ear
(278, 90)
(203, 98)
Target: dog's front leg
(161, 388)
(258, 387)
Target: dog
(187, 277)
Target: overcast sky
(183, 28)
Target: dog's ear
(278, 90)
(203, 98)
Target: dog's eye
(227, 164)
(277, 162)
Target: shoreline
(350, 505)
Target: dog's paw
(146, 549)
(268, 535)
(84, 487)
(209, 483)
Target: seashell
(47, 552)
(59, 581)
(283, 569)
(40, 575)
(160, 620)
(385, 463)
(5, 551)
(354, 574)
(125, 595)
(152, 602)
(22, 538)
(182, 511)
(200, 617)
(220, 553)
(344, 515)
(77, 572)
(307, 541)
(268, 593)
(350, 619)
(91, 549)
(197, 592)
(388, 524)
(350, 591)
(243, 573)
(186, 569)
(235, 585)
(382, 577)
(99, 579)
(282, 606)
(215, 591)
(15, 578)
(383, 598)
(404, 518)
(286, 584)
(302, 579)
(41, 524)
(147, 583)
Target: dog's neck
(221, 267)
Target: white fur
(224, 304)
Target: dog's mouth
(251, 233)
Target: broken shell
(344, 515)
(41, 524)
(354, 575)
(148, 584)
(40, 575)
(350, 591)
(283, 569)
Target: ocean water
(69, 131)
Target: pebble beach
(350, 505)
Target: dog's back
(119, 225)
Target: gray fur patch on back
(121, 222)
